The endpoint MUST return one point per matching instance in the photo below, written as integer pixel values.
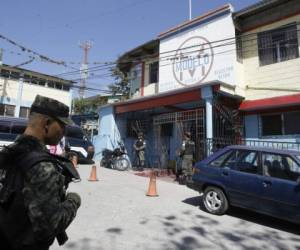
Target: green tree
(88, 105)
(121, 83)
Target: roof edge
(209, 14)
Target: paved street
(116, 215)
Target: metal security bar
(209, 146)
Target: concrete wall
(106, 137)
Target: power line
(230, 41)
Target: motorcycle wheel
(121, 164)
(103, 163)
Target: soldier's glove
(74, 197)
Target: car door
(242, 174)
(281, 191)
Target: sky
(54, 29)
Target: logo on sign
(193, 61)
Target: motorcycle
(115, 159)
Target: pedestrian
(140, 147)
(58, 149)
(187, 154)
(41, 211)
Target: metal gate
(168, 130)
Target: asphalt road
(117, 215)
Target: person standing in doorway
(187, 154)
(140, 147)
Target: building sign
(193, 61)
(199, 53)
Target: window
(218, 162)
(24, 112)
(66, 87)
(2, 108)
(280, 166)
(231, 161)
(281, 124)
(278, 45)
(58, 85)
(247, 162)
(9, 110)
(291, 123)
(153, 72)
(51, 84)
(271, 125)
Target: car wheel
(215, 201)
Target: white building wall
(9, 93)
(200, 54)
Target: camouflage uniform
(49, 209)
(140, 147)
(188, 150)
(41, 210)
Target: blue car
(260, 179)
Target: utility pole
(190, 8)
(19, 95)
(1, 56)
(86, 46)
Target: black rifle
(71, 175)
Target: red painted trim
(189, 96)
(143, 79)
(274, 21)
(270, 103)
(272, 111)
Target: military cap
(140, 134)
(51, 107)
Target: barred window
(9, 110)
(153, 72)
(278, 45)
(281, 124)
(24, 112)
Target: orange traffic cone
(93, 176)
(152, 186)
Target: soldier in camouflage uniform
(187, 154)
(140, 147)
(48, 209)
